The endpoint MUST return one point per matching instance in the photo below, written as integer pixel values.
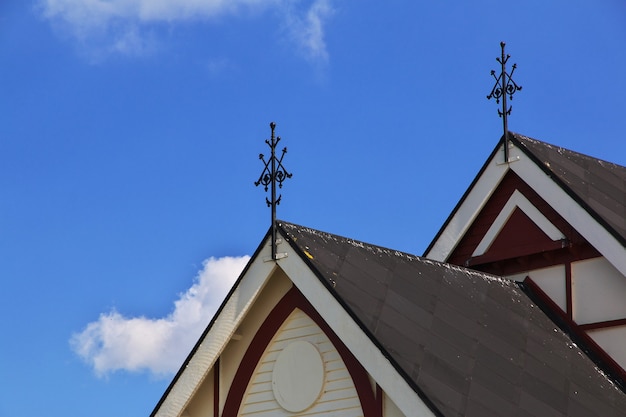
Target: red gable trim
(603, 324)
(520, 245)
(216, 388)
(290, 301)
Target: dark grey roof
(599, 186)
(469, 343)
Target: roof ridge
(393, 252)
(560, 149)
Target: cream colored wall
(551, 280)
(613, 341)
(390, 409)
(201, 404)
(598, 291)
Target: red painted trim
(577, 333)
(506, 259)
(531, 249)
(569, 300)
(379, 399)
(603, 324)
(216, 388)
(290, 301)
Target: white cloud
(119, 24)
(115, 342)
(307, 29)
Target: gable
(218, 379)
(272, 380)
(517, 230)
(552, 220)
(300, 370)
(563, 192)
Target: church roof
(471, 343)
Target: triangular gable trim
(517, 200)
(526, 167)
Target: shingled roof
(599, 186)
(472, 343)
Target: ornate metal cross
(273, 173)
(504, 86)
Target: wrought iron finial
(273, 173)
(504, 86)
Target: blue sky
(129, 144)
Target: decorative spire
(273, 173)
(504, 86)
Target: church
(515, 309)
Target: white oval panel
(298, 376)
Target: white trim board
(517, 200)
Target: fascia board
(222, 329)
(470, 208)
(584, 223)
(355, 339)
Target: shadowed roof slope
(599, 186)
(473, 343)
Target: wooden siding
(338, 393)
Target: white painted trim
(355, 339)
(221, 332)
(572, 212)
(468, 211)
(517, 200)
